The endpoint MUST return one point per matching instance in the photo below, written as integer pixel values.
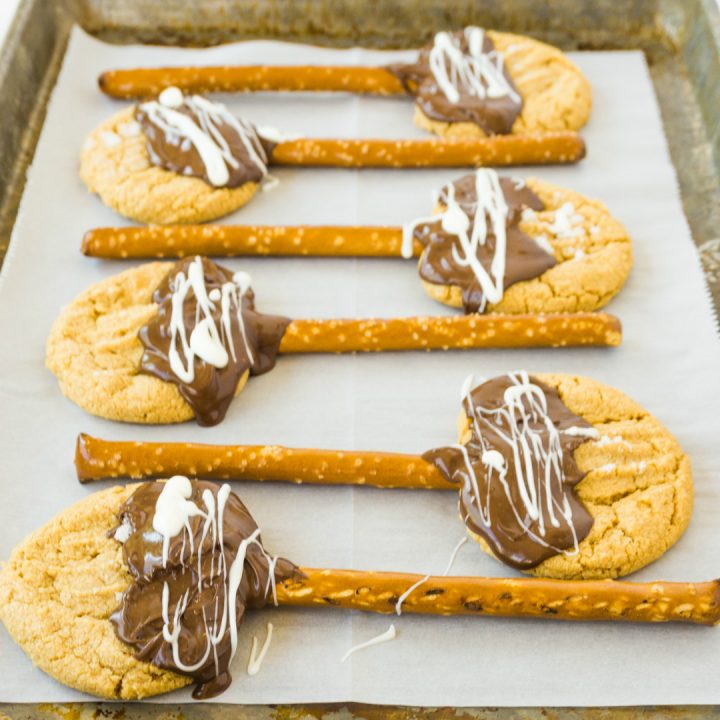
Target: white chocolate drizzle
(422, 581)
(526, 401)
(472, 233)
(208, 342)
(575, 431)
(408, 592)
(389, 634)
(474, 72)
(453, 555)
(256, 660)
(173, 510)
(206, 137)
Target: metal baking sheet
(682, 48)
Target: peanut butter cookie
(553, 93)
(116, 164)
(636, 486)
(57, 593)
(95, 352)
(588, 253)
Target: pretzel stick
(234, 240)
(505, 597)
(455, 332)
(498, 150)
(149, 82)
(97, 459)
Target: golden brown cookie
(555, 94)
(115, 164)
(94, 351)
(57, 593)
(638, 484)
(593, 253)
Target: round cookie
(556, 95)
(57, 593)
(593, 253)
(115, 164)
(638, 484)
(94, 351)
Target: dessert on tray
(559, 476)
(166, 342)
(186, 159)
(497, 244)
(141, 589)
(469, 82)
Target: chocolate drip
(494, 509)
(173, 151)
(525, 259)
(212, 389)
(199, 568)
(494, 115)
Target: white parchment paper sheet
(669, 362)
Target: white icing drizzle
(477, 73)
(173, 509)
(276, 136)
(490, 204)
(256, 660)
(171, 97)
(389, 634)
(408, 592)
(453, 555)
(526, 400)
(212, 147)
(207, 341)
(612, 440)
(123, 532)
(575, 431)
(422, 581)
(270, 183)
(469, 383)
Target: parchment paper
(669, 362)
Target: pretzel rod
(498, 150)
(149, 82)
(233, 240)
(97, 459)
(458, 332)
(379, 592)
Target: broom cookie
(470, 82)
(559, 476)
(185, 159)
(494, 244)
(140, 590)
(164, 342)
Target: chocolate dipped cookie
(175, 159)
(140, 590)
(564, 477)
(504, 244)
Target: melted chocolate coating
(138, 621)
(494, 115)
(511, 528)
(212, 389)
(178, 155)
(525, 259)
